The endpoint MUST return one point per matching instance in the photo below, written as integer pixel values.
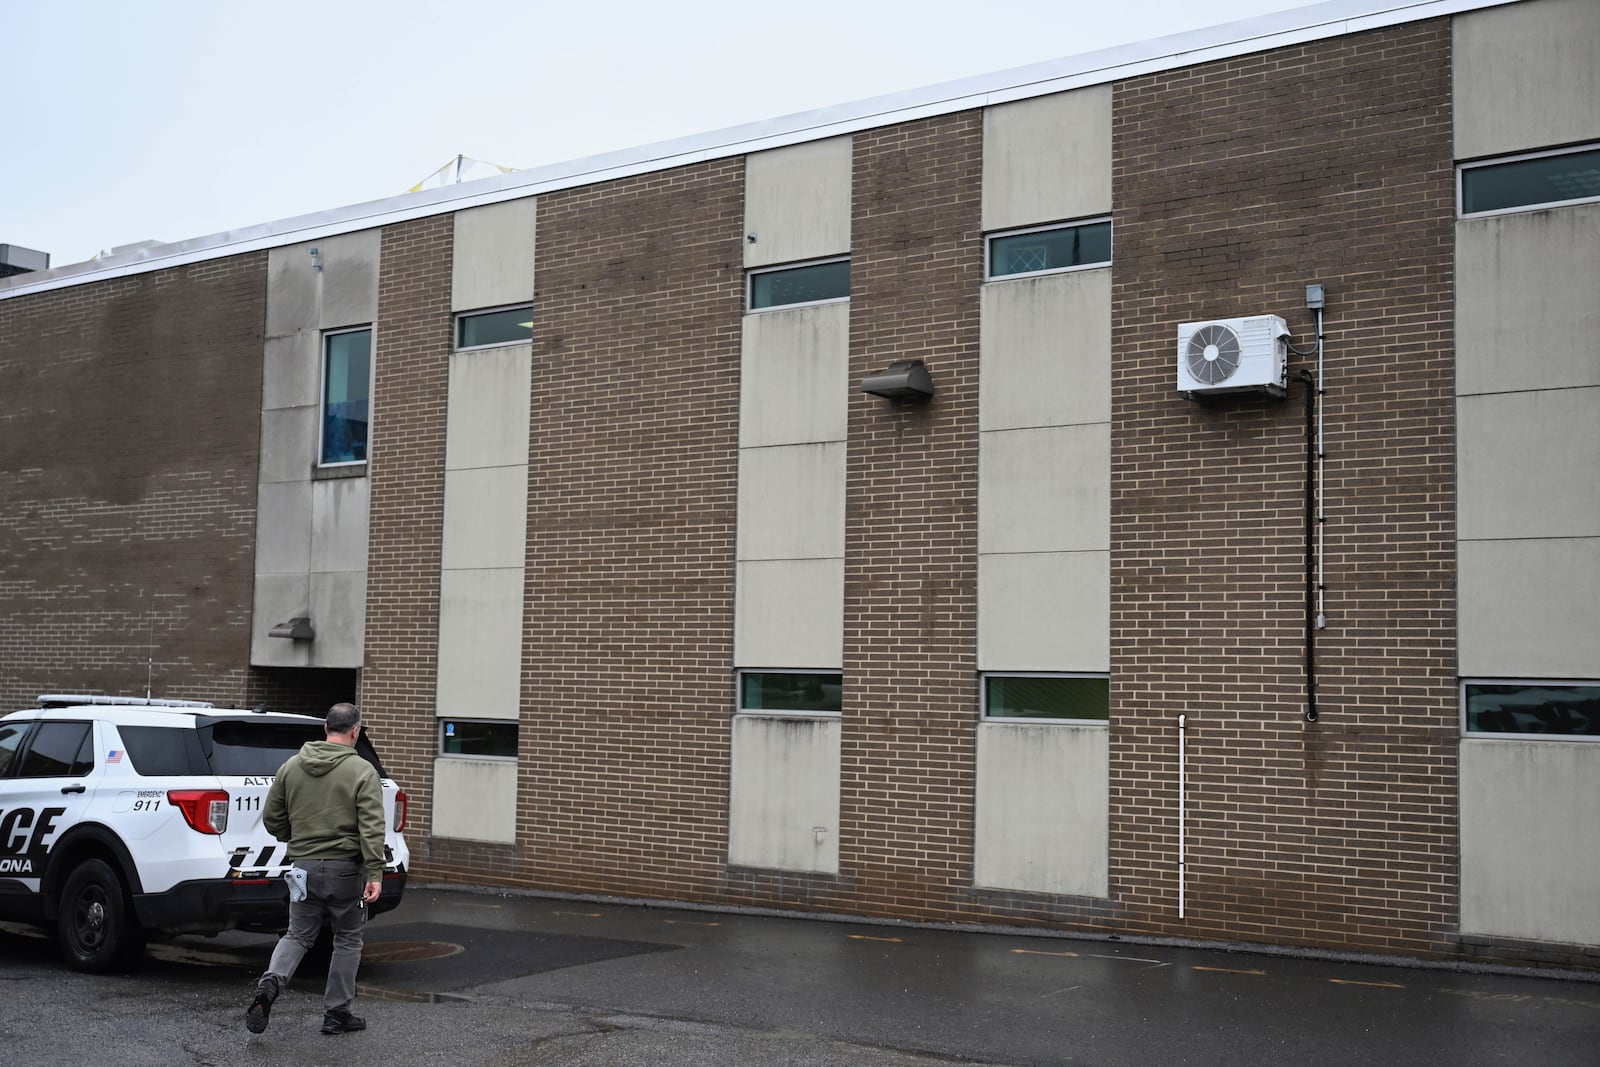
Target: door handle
(72, 789)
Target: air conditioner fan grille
(1213, 354)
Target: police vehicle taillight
(205, 810)
(400, 810)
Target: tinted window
(506, 326)
(1047, 697)
(1552, 179)
(1057, 248)
(161, 751)
(463, 737)
(58, 750)
(809, 284)
(1533, 708)
(10, 740)
(761, 691)
(257, 748)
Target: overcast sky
(127, 120)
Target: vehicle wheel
(95, 925)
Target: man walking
(327, 803)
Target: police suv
(124, 818)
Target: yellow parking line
(1036, 952)
(1376, 985)
(864, 937)
(686, 922)
(583, 914)
(1226, 970)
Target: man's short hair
(342, 718)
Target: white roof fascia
(1334, 18)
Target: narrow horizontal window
(1508, 708)
(1050, 248)
(790, 691)
(346, 395)
(807, 283)
(500, 326)
(1545, 179)
(1062, 697)
(478, 737)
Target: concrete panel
(1045, 490)
(294, 291)
(283, 527)
(480, 642)
(1530, 840)
(1043, 809)
(278, 598)
(488, 408)
(343, 293)
(783, 804)
(339, 615)
(349, 278)
(1529, 609)
(1519, 471)
(797, 202)
(1047, 159)
(789, 613)
(1528, 300)
(1045, 611)
(493, 262)
(1526, 76)
(794, 376)
(1046, 351)
(288, 444)
(292, 370)
(485, 517)
(475, 800)
(791, 502)
(339, 509)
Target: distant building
(569, 477)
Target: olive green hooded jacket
(327, 803)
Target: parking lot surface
(461, 978)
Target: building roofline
(1333, 18)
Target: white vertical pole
(1182, 785)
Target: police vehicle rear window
(257, 748)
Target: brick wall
(405, 533)
(1238, 182)
(129, 436)
(910, 644)
(628, 633)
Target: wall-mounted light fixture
(906, 379)
(296, 629)
(316, 260)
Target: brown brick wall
(129, 436)
(633, 459)
(910, 641)
(1238, 182)
(405, 536)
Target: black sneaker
(342, 1022)
(260, 1009)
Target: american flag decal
(114, 756)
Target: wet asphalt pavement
(463, 978)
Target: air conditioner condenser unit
(1233, 356)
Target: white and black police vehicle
(126, 818)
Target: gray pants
(333, 892)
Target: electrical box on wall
(1233, 356)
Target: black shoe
(260, 1009)
(342, 1022)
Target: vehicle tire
(94, 923)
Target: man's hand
(370, 894)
